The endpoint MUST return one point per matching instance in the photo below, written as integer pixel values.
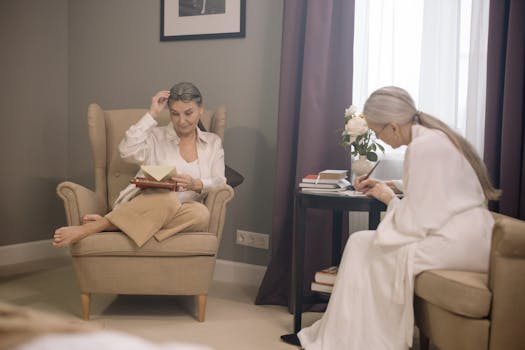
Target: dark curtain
(505, 116)
(315, 88)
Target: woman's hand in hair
(158, 102)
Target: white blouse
(147, 144)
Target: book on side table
(321, 288)
(327, 181)
(326, 276)
(324, 280)
(331, 174)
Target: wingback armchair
(459, 310)
(110, 262)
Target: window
(435, 49)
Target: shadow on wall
(248, 151)
(31, 211)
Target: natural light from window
(434, 49)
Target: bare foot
(67, 235)
(91, 217)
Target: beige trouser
(158, 213)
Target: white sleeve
(135, 143)
(392, 204)
(216, 160)
(440, 183)
(399, 185)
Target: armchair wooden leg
(85, 299)
(201, 306)
(424, 342)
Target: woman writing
(441, 223)
(198, 157)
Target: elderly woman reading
(198, 157)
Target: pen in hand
(371, 170)
(367, 175)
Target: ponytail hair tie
(417, 116)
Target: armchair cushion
(460, 292)
(233, 177)
(118, 244)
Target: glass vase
(360, 166)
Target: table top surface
(325, 198)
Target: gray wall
(33, 117)
(115, 59)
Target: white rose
(350, 111)
(356, 126)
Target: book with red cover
(143, 182)
(316, 179)
(313, 181)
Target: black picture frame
(177, 22)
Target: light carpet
(233, 321)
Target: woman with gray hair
(198, 157)
(442, 222)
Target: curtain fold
(315, 88)
(505, 114)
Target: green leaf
(371, 156)
(381, 147)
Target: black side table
(337, 204)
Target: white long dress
(441, 223)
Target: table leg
(298, 262)
(337, 228)
(373, 219)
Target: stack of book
(324, 280)
(325, 181)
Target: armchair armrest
(510, 238)
(507, 282)
(216, 201)
(78, 201)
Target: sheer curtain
(435, 49)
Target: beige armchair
(460, 310)
(110, 262)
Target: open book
(158, 176)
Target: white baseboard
(358, 221)
(237, 272)
(225, 270)
(29, 251)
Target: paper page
(159, 172)
(351, 193)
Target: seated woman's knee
(169, 201)
(360, 237)
(200, 215)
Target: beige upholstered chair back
(106, 130)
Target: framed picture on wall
(202, 19)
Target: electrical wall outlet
(253, 239)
